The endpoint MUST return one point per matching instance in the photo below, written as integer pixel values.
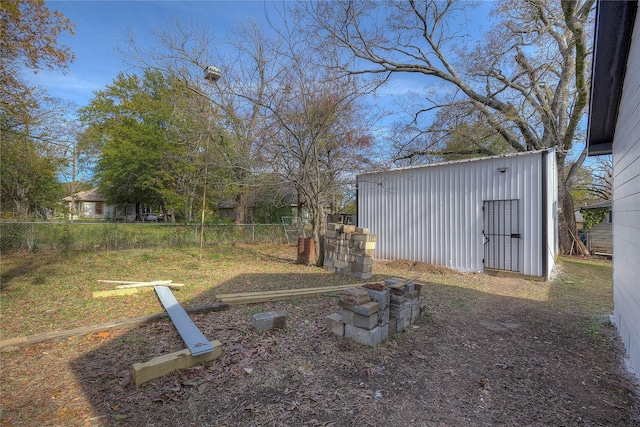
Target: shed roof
(603, 204)
(453, 162)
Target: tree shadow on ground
(477, 357)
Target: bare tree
(527, 76)
(184, 50)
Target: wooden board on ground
(119, 292)
(102, 327)
(280, 295)
(163, 365)
(150, 285)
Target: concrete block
(362, 268)
(361, 275)
(363, 260)
(397, 299)
(415, 312)
(360, 321)
(356, 295)
(401, 314)
(383, 317)
(335, 324)
(413, 295)
(332, 226)
(360, 237)
(347, 305)
(348, 228)
(393, 326)
(332, 234)
(362, 230)
(268, 320)
(381, 297)
(366, 309)
(371, 337)
(393, 281)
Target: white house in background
(90, 205)
(488, 214)
(614, 128)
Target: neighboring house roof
(614, 25)
(86, 196)
(603, 204)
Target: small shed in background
(494, 213)
(599, 238)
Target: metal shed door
(501, 231)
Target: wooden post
(163, 365)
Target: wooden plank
(149, 285)
(165, 364)
(288, 291)
(119, 292)
(265, 296)
(102, 327)
(130, 282)
(191, 335)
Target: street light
(212, 74)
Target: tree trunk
(566, 215)
(319, 227)
(241, 204)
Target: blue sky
(101, 25)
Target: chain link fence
(60, 236)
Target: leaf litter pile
(487, 352)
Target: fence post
(115, 240)
(253, 233)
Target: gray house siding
(626, 207)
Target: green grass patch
(44, 292)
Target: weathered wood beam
(287, 291)
(165, 364)
(119, 292)
(149, 285)
(256, 297)
(102, 327)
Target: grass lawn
(46, 292)
(557, 363)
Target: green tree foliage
(593, 217)
(29, 34)
(28, 179)
(29, 185)
(151, 133)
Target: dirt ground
(488, 356)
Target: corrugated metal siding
(434, 213)
(626, 208)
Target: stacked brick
(349, 250)
(371, 313)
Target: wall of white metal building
(626, 207)
(434, 213)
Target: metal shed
(494, 213)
